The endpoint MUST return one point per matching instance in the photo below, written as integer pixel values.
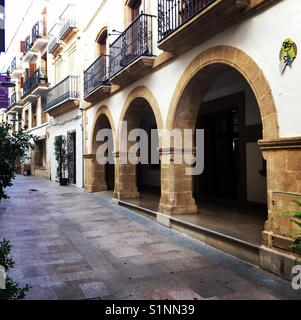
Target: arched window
(102, 42)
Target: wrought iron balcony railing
(39, 30)
(39, 77)
(13, 99)
(67, 25)
(13, 65)
(68, 20)
(134, 42)
(54, 42)
(174, 13)
(26, 45)
(66, 90)
(95, 75)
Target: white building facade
(225, 66)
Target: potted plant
(61, 159)
(296, 214)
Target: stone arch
(182, 111)
(101, 36)
(141, 92)
(101, 33)
(138, 101)
(177, 191)
(95, 173)
(102, 110)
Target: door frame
(72, 132)
(214, 106)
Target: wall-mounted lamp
(115, 33)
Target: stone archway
(177, 196)
(206, 62)
(138, 101)
(95, 173)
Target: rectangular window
(33, 115)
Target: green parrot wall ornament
(288, 54)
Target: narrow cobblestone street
(69, 244)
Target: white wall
(260, 37)
(61, 126)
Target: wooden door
(32, 68)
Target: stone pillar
(95, 174)
(284, 185)
(176, 186)
(125, 179)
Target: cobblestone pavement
(69, 244)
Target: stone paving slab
(69, 244)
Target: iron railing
(134, 42)
(39, 30)
(13, 99)
(55, 41)
(67, 89)
(174, 13)
(13, 65)
(54, 37)
(67, 25)
(37, 78)
(95, 75)
(26, 45)
(68, 20)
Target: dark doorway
(104, 173)
(110, 175)
(224, 176)
(71, 152)
(148, 175)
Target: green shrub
(60, 156)
(12, 146)
(296, 214)
(12, 291)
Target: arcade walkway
(69, 244)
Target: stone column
(176, 185)
(95, 174)
(284, 185)
(125, 178)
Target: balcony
(64, 97)
(185, 24)
(16, 68)
(131, 55)
(16, 104)
(35, 86)
(68, 23)
(55, 44)
(27, 51)
(68, 30)
(25, 45)
(96, 85)
(39, 36)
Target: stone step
(236, 247)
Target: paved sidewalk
(69, 244)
